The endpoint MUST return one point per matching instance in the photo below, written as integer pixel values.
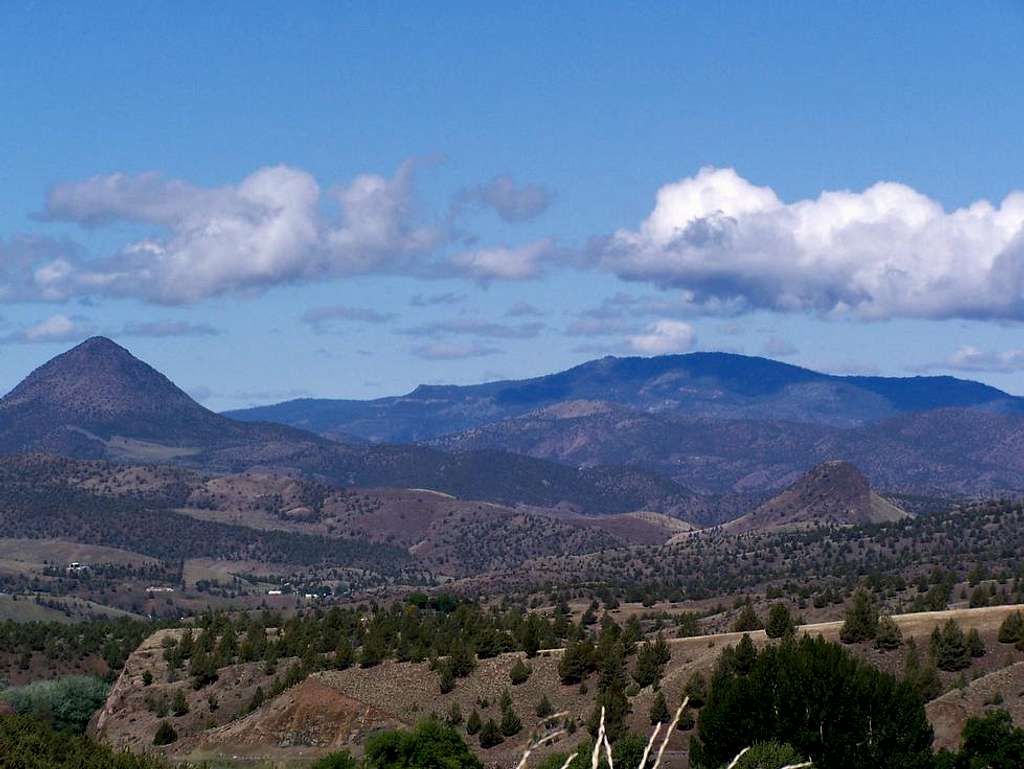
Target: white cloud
(885, 252)
(268, 229)
(664, 337)
(56, 328)
(504, 263)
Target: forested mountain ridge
(705, 384)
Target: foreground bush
(66, 703)
(28, 743)
(431, 745)
(831, 707)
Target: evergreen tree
(473, 723)
(611, 695)
(747, 621)
(165, 734)
(861, 621)
(975, 646)
(1011, 630)
(490, 735)
(697, 690)
(179, 705)
(921, 675)
(659, 709)
(544, 707)
(948, 647)
(344, 655)
(889, 636)
(823, 701)
(445, 678)
(519, 673)
(577, 661)
(780, 622)
(511, 724)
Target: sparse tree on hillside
(861, 621)
(889, 636)
(780, 622)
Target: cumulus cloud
(664, 337)
(968, 358)
(476, 327)
(503, 262)
(513, 203)
(320, 317)
(56, 328)
(453, 350)
(267, 229)
(888, 251)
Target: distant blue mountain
(704, 384)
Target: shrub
(66, 703)
(165, 734)
(431, 745)
(341, 759)
(769, 755)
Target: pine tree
(611, 695)
(179, 706)
(780, 622)
(659, 709)
(473, 724)
(1011, 631)
(975, 646)
(519, 673)
(949, 648)
(889, 635)
(511, 724)
(577, 661)
(544, 707)
(697, 690)
(344, 655)
(490, 735)
(445, 678)
(861, 620)
(747, 621)
(165, 734)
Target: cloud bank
(886, 252)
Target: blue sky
(346, 200)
